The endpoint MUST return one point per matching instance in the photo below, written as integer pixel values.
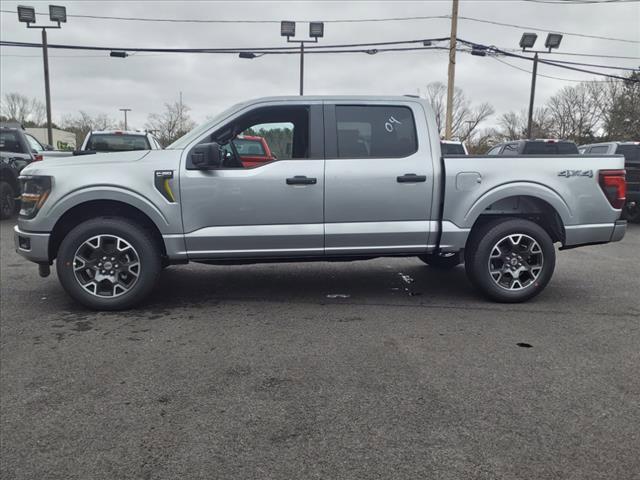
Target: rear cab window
(452, 148)
(550, 148)
(631, 152)
(113, 142)
(9, 142)
(601, 149)
(375, 131)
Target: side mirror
(48, 147)
(206, 156)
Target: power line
(370, 48)
(542, 75)
(524, 27)
(548, 62)
(579, 2)
(349, 20)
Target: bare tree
(19, 108)
(466, 118)
(83, 123)
(576, 112)
(171, 124)
(513, 126)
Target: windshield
(189, 137)
(550, 148)
(112, 142)
(631, 152)
(452, 148)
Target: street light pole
(57, 14)
(125, 110)
(301, 68)
(527, 41)
(534, 73)
(47, 90)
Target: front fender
(51, 213)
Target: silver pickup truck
(350, 178)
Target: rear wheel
(7, 200)
(108, 263)
(510, 260)
(444, 261)
(631, 212)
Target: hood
(85, 160)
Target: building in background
(62, 140)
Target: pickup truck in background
(252, 150)
(631, 153)
(106, 141)
(365, 179)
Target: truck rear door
(378, 178)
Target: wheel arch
(538, 204)
(87, 210)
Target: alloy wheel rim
(106, 266)
(515, 262)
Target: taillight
(37, 158)
(614, 186)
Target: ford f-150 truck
(365, 179)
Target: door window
(265, 135)
(494, 150)
(372, 131)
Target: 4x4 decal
(162, 182)
(576, 173)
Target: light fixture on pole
(316, 31)
(57, 14)
(528, 40)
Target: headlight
(35, 191)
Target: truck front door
(378, 179)
(269, 210)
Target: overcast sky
(96, 83)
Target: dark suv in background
(631, 152)
(17, 150)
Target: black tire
(7, 200)
(631, 213)
(144, 246)
(478, 254)
(445, 261)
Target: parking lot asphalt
(380, 369)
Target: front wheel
(108, 263)
(510, 260)
(7, 200)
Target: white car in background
(105, 141)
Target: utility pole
(180, 114)
(301, 68)
(125, 110)
(532, 97)
(47, 91)
(452, 71)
